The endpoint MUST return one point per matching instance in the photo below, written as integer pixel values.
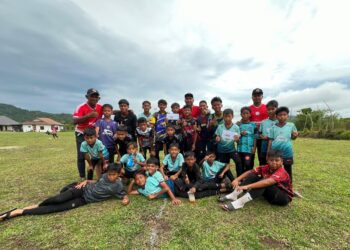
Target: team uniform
(80, 111)
(167, 141)
(107, 129)
(226, 148)
(211, 172)
(145, 139)
(159, 120)
(129, 165)
(171, 166)
(211, 130)
(282, 140)
(246, 144)
(189, 133)
(264, 130)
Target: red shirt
(84, 109)
(258, 113)
(195, 112)
(280, 176)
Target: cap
(92, 91)
(257, 91)
(189, 95)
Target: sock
(234, 195)
(241, 201)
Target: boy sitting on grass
(281, 136)
(132, 161)
(271, 181)
(172, 162)
(75, 195)
(152, 184)
(95, 153)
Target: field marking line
(154, 233)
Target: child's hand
(187, 181)
(264, 137)
(294, 134)
(244, 132)
(236, 138)
(235, 183)
(239, 188)
(93, 114)
(206, 157)
(81, 185)
(217, 139)
(221, 175)
(192, 190)
(105, 166)
(173, 177)
(125, 200)
(166, 178)
(152, 196)
(212, 122)
(176, 201)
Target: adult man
(189, 101)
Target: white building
(42, 125)
(7, 124)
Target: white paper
(172, 116)
(228, 135)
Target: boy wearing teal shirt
(264, 129)
(226, 136)
(213, 170)
(95, 153)
(247, 141)
(132, 161)
(172, 162)
(281, 136)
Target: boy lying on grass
(271, 181)
(76, 195)
(151, 183)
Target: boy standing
(281, 136)
(258, 114)
(215, 120)
(84, 117)
(204, 137)
(159, 121)
(189, 126)
(145, 136)
(146, 106)
(226, 136)
(247, 141)
(127, 118)
(105, 129)
(121, 140)
(265, 127)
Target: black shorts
(129, 174)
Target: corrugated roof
(42, 121)
(4, 120)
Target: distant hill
(22, 115)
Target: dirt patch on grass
(273, 243)
(10, 147)
(18, 242)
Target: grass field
(37, 167)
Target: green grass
(40, 166)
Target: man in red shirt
(189, 102)
(258, 114)
(271, 181)
(85, 116)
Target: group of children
(197, 146)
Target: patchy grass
(34, 166)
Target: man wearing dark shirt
(127, 118)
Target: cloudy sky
(298, 52)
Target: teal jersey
(152, 186)
(142, 115)
(227, 144)
(282, 138)
(264, 129)
(209, 172)
(173, 166)
(129, 163)
(246, 142)
(94, 150)
(158, 175)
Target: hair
(122, 128)
(123, 101)
(228, 112)
(141, 120)
(189, 154)
(189, 95)
(272, 103)
(274, 154)
(174, 145)
(170, 126)
(153, 160)
(90, 132)
(107, 105)
(162, 101)
(134, 144)
(210, 153)
(146, 102)
(245, 108)
(215, 99)
(187, 107)
(117, 167)
(175, 104)
(203, 101)
(140, 172)
(282, 109)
